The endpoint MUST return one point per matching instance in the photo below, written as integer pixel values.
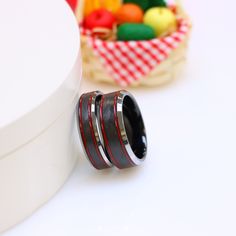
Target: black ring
(123, 129)
(111, 129)
(89, 127)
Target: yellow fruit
(161, 19)
(111, 5)
(92, 5)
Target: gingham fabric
(127, 62)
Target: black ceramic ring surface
(123, 129)
(111, 129)
(89, 127)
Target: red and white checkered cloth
(127, 62)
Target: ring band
(112, 129)
(90, 134)
(123, 129)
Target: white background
(187, 186)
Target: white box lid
(39, 68)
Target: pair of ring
(112, 130)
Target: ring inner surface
(134, 127)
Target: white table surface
(187, 186)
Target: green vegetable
(144, 4)
(131, 31)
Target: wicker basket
(165, 72)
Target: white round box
(40, 74)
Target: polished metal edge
(119, 109)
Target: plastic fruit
(132, 31)
(73, 4)
(111, 5)
(92, 5)
(144, 4)
(100, 18)
(129, 13)
(157, 3)
(161, 19)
